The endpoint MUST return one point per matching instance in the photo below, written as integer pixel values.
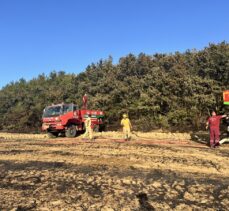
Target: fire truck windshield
(67, 108)
(52, 111)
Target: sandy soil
(147, 173)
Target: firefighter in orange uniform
(126, 124)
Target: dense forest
(169, 91)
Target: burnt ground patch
(146, 186)
(31, 165)
(62, 153)
(56, 166)
(15, 151)
(130, 181)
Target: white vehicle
(226, 139)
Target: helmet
(124, 115)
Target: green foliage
(174, 91)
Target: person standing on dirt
(88, 126)
(126, 124)
(213, 123)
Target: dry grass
(22, 136)
(150, 135)
(110, 135)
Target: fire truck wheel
(52, 134)
(71, 131)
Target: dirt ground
(151, 172)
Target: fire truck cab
(68, 119)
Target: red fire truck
(68, 119)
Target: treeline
(169, 91)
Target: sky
(40, 36)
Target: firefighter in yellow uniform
(126, 124)
(89, 130)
